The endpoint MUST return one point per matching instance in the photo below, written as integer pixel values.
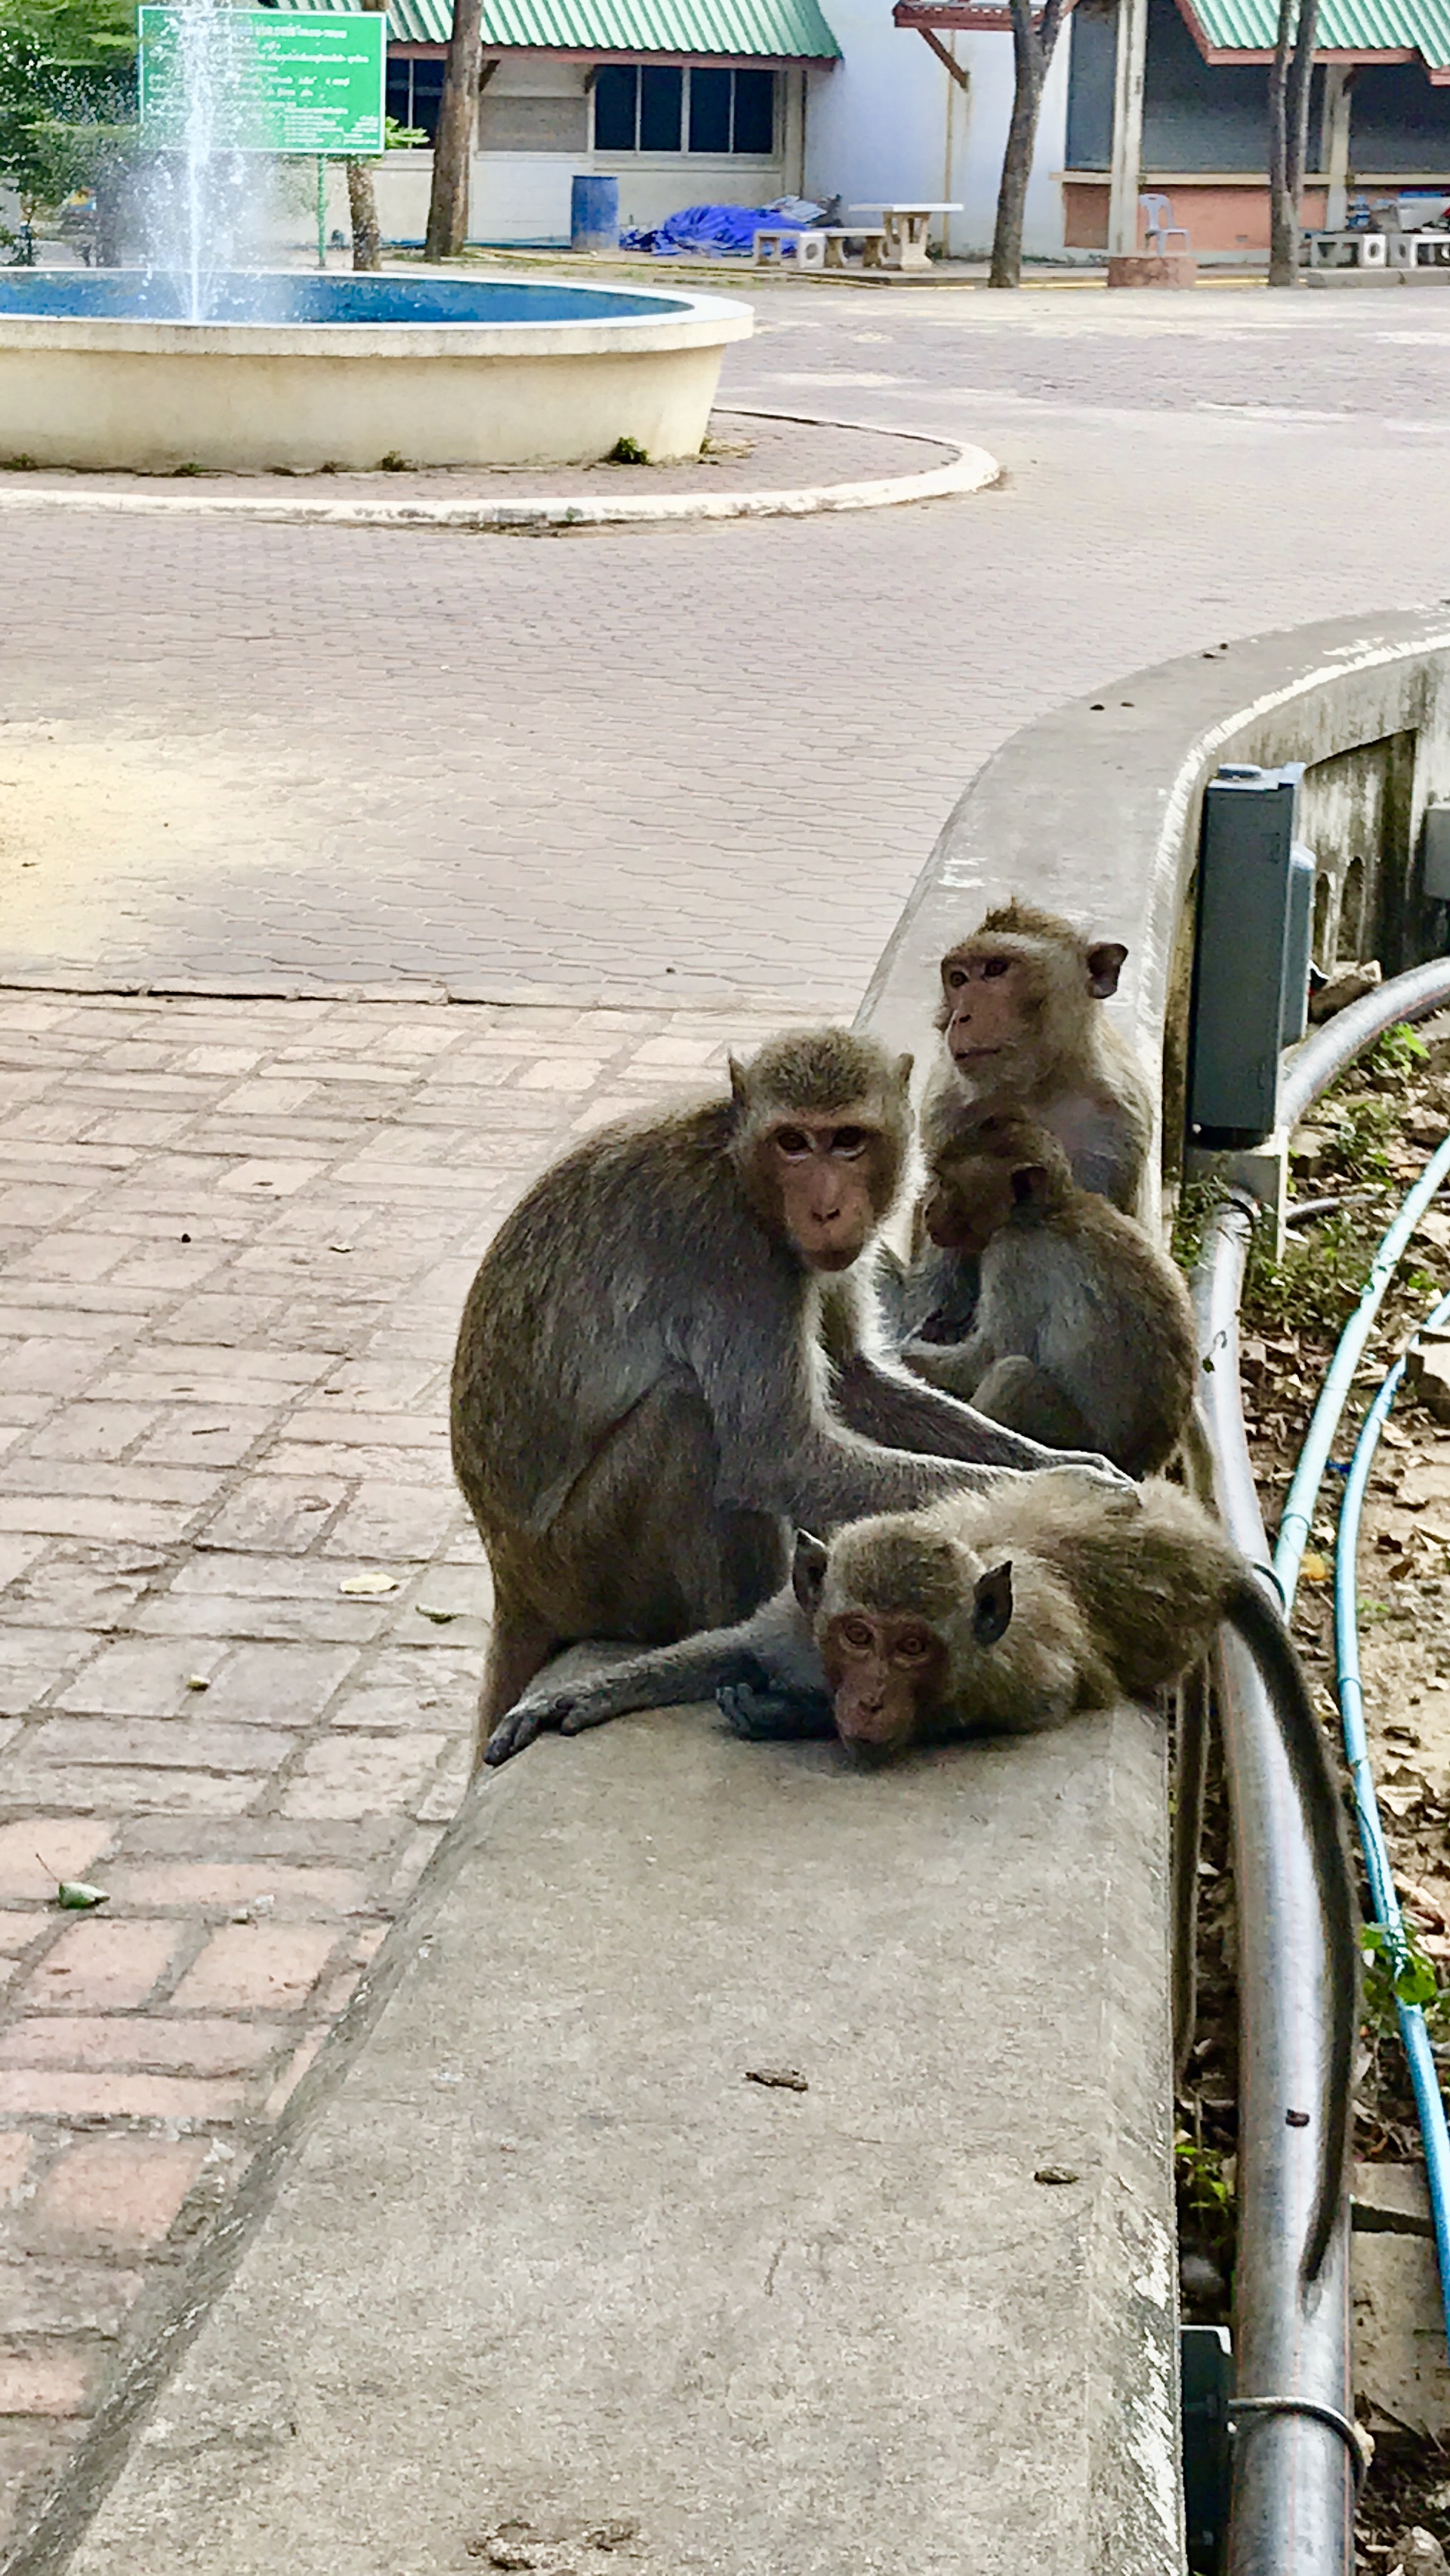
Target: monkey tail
(1259, 1623)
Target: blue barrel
(594, 214)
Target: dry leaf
(372, 1582)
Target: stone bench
(823, 246)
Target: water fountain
(199, 359)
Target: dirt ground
(1366, 1144)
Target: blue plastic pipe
(1424, 2075)
(1298, 1515)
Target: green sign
(263, 80)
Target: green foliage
(1192, 1217)
(1319, 1282)
(627, 451)
(1396, 1053)
(1396, 1971)
(403, 138)
(67, 96)
(1204, 2189)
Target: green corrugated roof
(791, 29)
(1354, 27)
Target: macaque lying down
(1004, 1611)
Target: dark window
(661, 93)
(709, 111)
(397, 93)
(1399, 121)
(616, 106)
(427, 97)
(640, 107)
(1091, 73)
(754, 112)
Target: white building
(733, 102)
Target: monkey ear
(992, 1604)
(1105, 965)
(737, 1081)
(1029, 1184)
(808, 1570)
(904, 1064)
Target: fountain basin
(99, 371)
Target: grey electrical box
(1436, 873)
(1299, 950)
(1251, 960)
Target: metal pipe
(1292, 2508)
(1378, 1867)
(1313, 1066)
(1292, 2504)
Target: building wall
(877, 127)
(534, 136)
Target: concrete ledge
(1094, 811)
(536, 2251)
(969, 469)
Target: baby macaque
(1082, 1332)
(1006, 1612)
(1022, 1019)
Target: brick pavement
(605, 765)
(235, 1238)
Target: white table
(907, 229)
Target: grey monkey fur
(641, 1406)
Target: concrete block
(538, 2262)
(1153, 268)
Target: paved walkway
(652, 771)
(704, 760)
(244, 1608)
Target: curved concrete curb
(970, 469)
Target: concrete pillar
(1127, 127)
(793, 128)
(1334, 152)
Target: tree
(362, 197)
(1290, 79)
(68, 105)
(1033, 40)
(453, 142)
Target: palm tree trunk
(453, 143)
(362, 205)
(1032, 46)
(1283, 220)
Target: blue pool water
(141, 295)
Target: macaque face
(825, 1172)
(967, 1205)
(991, 998)
(885, 1675)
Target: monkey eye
(849, 1141)
(994, 966)
(857, 1633)
(913, 1648)
(793, 1142)
(956, 979)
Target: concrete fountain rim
(967, 469)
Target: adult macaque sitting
(1022, 1019)
(641, 1403)
(1082, 1332)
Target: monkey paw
(775, 1715)
(527, 1719)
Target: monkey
(1083, 1335)
(641, 1405)
(1006, 1611)
(1019, 1014)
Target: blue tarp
(721, 232)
